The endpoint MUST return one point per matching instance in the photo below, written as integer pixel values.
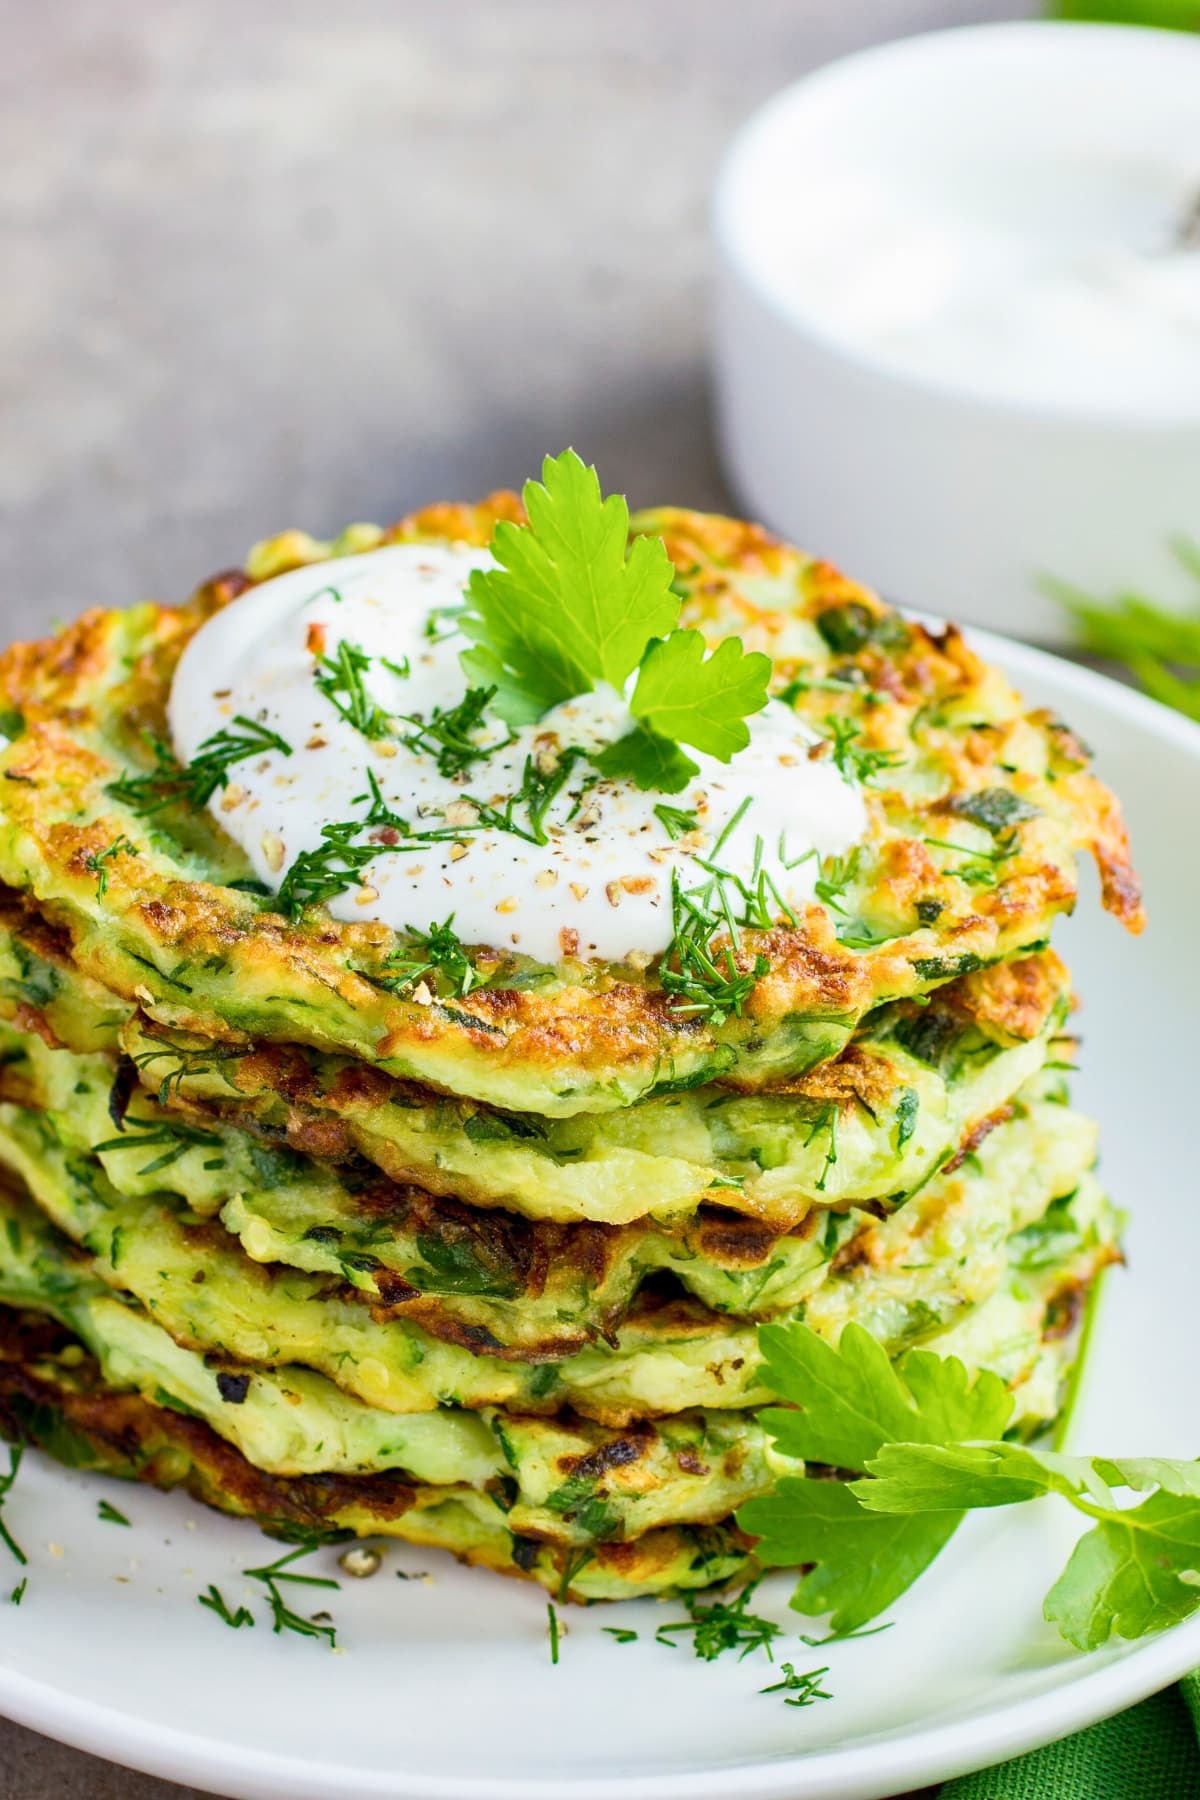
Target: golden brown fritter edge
(203, 957)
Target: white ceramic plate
(444, 1689)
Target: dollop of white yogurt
(601, 886)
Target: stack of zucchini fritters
(485, 1269)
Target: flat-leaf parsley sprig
(574, 604)
(925, 1440)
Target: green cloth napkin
(1151, 1752)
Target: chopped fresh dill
(97, 863)
(439, 951)
(676, 820)
(108, 1512)
(539, 788)
(320, 875)
(215, 1602)
(837, 874)
(701, 983)
(439, 614)
(15, 1453)
(799, 1689)
(178, 1136)
(982, 866)
(169, 783)
(283, 1617)
(574, 1565)
(707, 983)
(853, 759)
(18, 1593)
(553, 1628)
(620, 1632)
(449, 733)
(724, 1625)
(1159, 645)
(340, 679)
(826, 1120)
(380, 816)
(189, 1061)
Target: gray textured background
(273, 264)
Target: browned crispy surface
(169, 932)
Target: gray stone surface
(270, 264)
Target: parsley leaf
(853, 1400)
(1134, 1572)
(693, 698)
(572, 603)
(648, 760)
(862, 1561)
(931, 1478)
(920, 1430)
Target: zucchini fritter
(970, 857)
(52, 1394)
(872, 1125)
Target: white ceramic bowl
(944, 494)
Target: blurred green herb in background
(1176, 15)
(1160, 648)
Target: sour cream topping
(601, 886)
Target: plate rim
(903, 1759)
